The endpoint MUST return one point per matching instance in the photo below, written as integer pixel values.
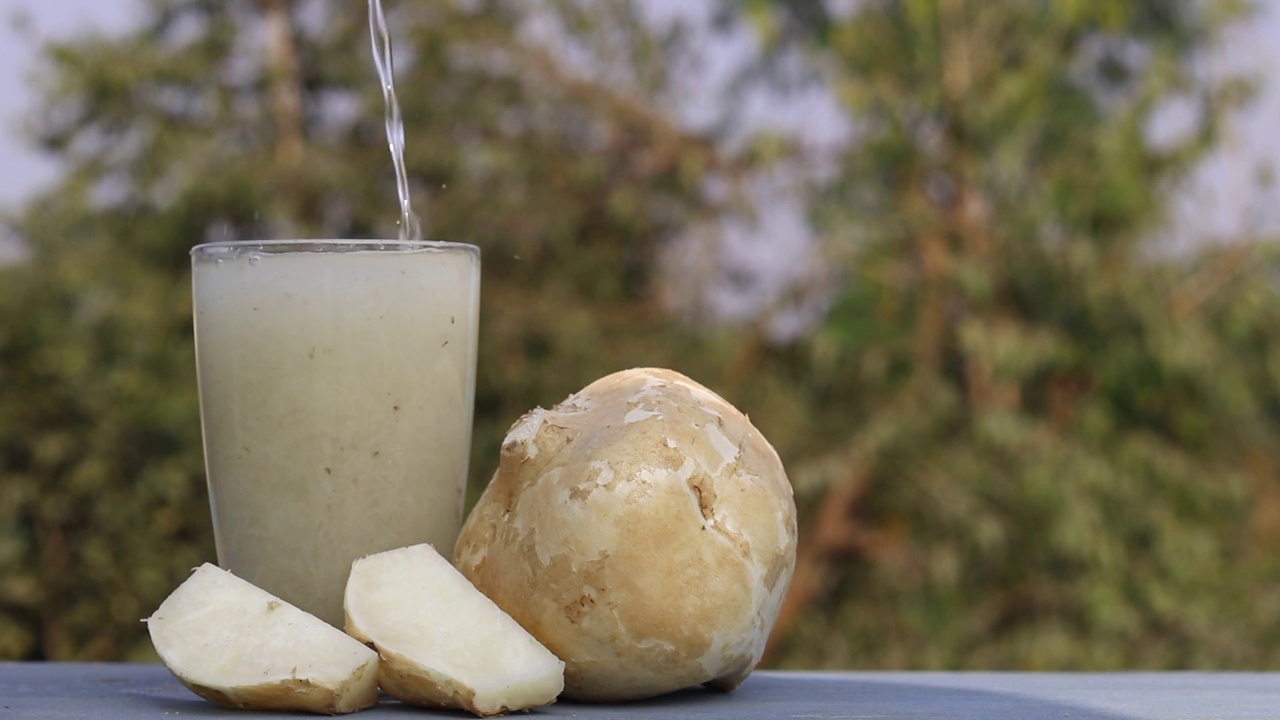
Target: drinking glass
(337, 383)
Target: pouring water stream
(410, 226)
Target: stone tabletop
(41, 691)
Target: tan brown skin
(401, 678)
(407, 687)
(643, 530)
(294, 695)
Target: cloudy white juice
(336, 394)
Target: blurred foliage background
(1024, 431)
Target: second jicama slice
(442, 643)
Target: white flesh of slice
(442, 642)
(237, 645)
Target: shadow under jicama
(774, 695)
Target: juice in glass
(336, 395)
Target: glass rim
(334, 245)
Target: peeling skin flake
(637, 414)
(575, 404)
(604, 473)
(707, 400)
(728, 451)
(525, 431)
(648, 387)
(686, 470)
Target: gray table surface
(43, 691)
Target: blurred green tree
(1059, 436)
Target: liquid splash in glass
(410, 227)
